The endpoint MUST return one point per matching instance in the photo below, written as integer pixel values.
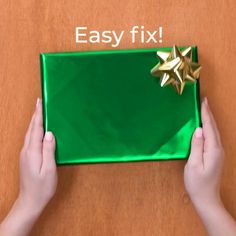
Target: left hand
(38, 172)
(38, 178)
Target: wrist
(28, 206)
(20, 219)
(208, 204)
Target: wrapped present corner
(106, 106)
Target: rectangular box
(105, 106)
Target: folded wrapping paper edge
(43, 92)
(106, 159)
(197, 93)
(114, 51)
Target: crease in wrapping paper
(105, 106)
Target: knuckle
(207, 120)
(49, 148)
(47, 145)
(47, 152)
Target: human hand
(38, 178)
(38, 172)
(202, 173)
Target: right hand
(202, 174)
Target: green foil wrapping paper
(105, 106)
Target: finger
(27, 135)
(197, 144)
(36, 134)
(213, 121)
(209, 129)
(48, 152)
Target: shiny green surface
(105, 106)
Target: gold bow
(176, 68)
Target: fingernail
(198, 133)
(206, 101)
(48, 136)
(37, 103)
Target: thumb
(197, 144)
(49, 152)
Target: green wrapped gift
(105, 106)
